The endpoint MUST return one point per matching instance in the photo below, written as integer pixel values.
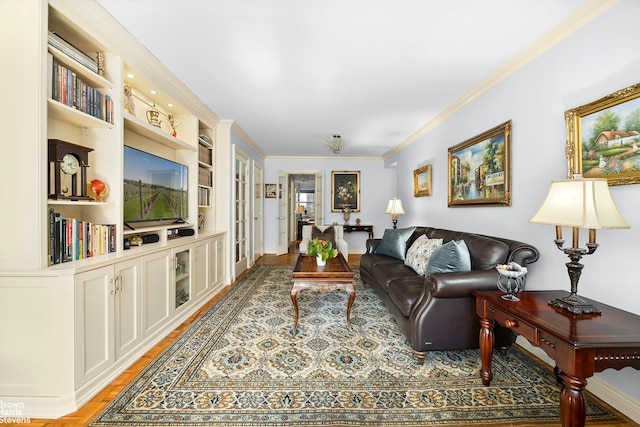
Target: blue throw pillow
(452, 256)
(394, 242)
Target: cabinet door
(218, 261)
(157, 277)
(201, 268)
(183, 274)
(94, 302)
(128, 329)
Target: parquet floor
(89, 411)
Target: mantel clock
(68, 165)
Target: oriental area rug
(240, 364)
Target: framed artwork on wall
(603, 138)
(271, 191)
(480, 169)
(345, 191)
(422, 181)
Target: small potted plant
(322, 250)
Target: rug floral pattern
(241, 364)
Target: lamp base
(574, 304)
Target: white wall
(597, 60)
(377, 187)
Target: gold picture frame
(479, 169)
(603, 138)
(422, 181)
(271, 191)
(345, 191)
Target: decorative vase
(320, 262)
(346, 217)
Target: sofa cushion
(485, 252)
(394, 242)
(368, 261)
(452, 256)
(420, 252)
(329, 234)
(385, 273)
(405, 292)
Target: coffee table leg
(486, 350)
(352, 297)
(294, 299)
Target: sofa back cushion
(485, 252)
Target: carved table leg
(352, 296)
(486, 350)
(294, 299)
(573, 408)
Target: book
(58, 42)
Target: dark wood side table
(365, 228)
(336, 274)
(580, 344)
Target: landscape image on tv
(155, 189)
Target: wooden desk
(365, 228)
(336, 274)
(579, 344)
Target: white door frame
(282, 214)
(258, 212)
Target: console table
(580, 344)
(365, 228)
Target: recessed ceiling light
(153, 92)
(169, 105)
(131, 76)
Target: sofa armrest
(456, 285)
(372, 244)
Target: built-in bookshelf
(74, 281)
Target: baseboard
(619, 400)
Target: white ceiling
(292, 73)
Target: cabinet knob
(511, 323)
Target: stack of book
(72, 52)
(71, 239)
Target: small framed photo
(345, 191)
(422, 181)
(480, 169)
(603, 138)
(271, 191)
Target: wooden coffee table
(336, 274)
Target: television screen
(155, 189)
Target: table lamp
(395, 208)
(578, 203)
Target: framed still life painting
(345, 191)
(603, 138)
(480, 169)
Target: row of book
(205, 177)
(204, 154)
(204, 196)
(73, 92)
(206, 139)
(71, 239)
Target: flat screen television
(155, 189)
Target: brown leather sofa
(438, 312)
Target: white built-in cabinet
(101, 311)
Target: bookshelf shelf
(141, 128)
(63, 113)
(95, 80)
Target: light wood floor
(88, 412)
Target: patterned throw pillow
(450, 257)
(420, 252)
(329, 234)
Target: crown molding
(577, 20)
(326, 158)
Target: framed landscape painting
(480, 169)
(422, 181)
(345, 191)
(603, 138)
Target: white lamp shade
(395, 207)
(582, 203)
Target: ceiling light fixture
(336, 144)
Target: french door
(241, 211)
